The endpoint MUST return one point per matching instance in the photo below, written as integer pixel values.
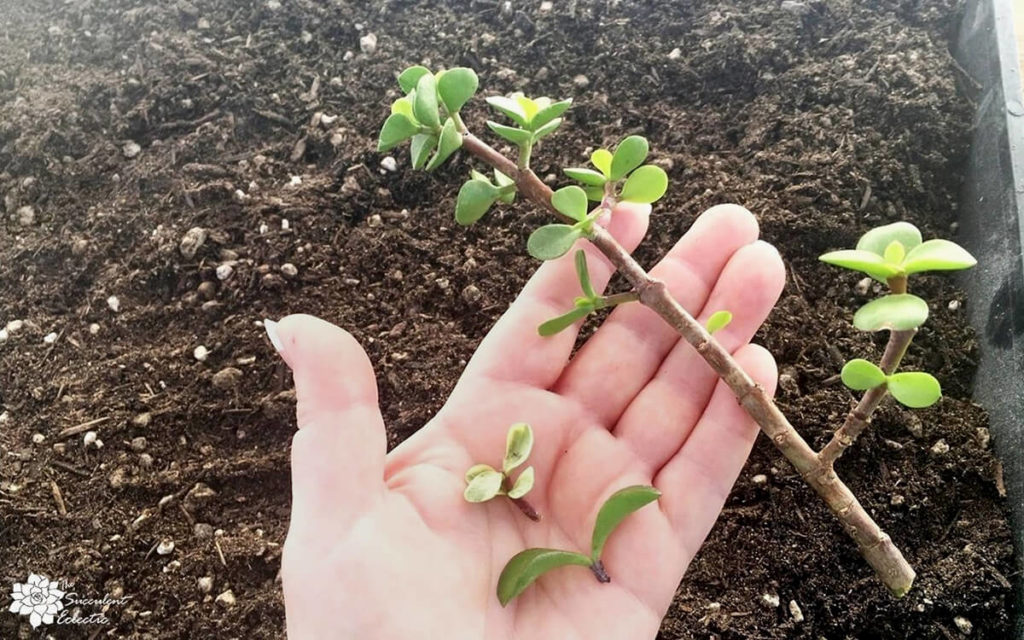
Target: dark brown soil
(824, 117)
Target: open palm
(384, 545)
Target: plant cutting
(484, 482)
(526, 566)
(889, 254)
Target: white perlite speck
(131, 149)
(4, 335)
(368, 43)
(224, 271)
(389, 164)
(964, 625)
(770, 600)
(675, 54)
(89, 439)
(795, 611)
(50, 338)
(114, 303)
(226, 599)
(201, 353)
(15, 326)
(165, 548)
(289, 270)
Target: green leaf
(502, 180)
(861, 375)
(915, 389)
(614, 511)
(938, 255)
(456, 87)
(564, 321)
(516, 136)
(420, 149)
(602, 159)
(476, 175)
(571, 201)
(396, 129)
(549, 113)
(594, 193)
(586, 176)
(894, 253)
(523, 484)
(474, 199)
(404, 107)
(529, 106)
(876, 240)
(424, 105)
(526, 566)
(630, 153)
(584, 274)
(484, 486)
(507, 186)
(864, 261)
(898, 312)
(541, 132)
(476, 470)
(510, 107)
(451, 140)
(408, 78)
(718, 321)
(518, 444)
(645, 185)
(552, 241)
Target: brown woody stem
(876, 547)
(528, 510)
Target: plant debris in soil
(173, 172)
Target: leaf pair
(896, 250)
(483, 482)
(536, 117)
(914, 389)
(417, 116)
(478, 194)
(584, 305)
(644, 184)
(526, 566)
(553, 241)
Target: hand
(383, 546)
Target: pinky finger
(698, 479)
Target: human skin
(383, 545)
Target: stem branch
(876, 547)
(859, 418)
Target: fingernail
(275, 339)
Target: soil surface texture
(126, 123)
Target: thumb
(338, 452)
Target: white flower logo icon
(39, 599)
